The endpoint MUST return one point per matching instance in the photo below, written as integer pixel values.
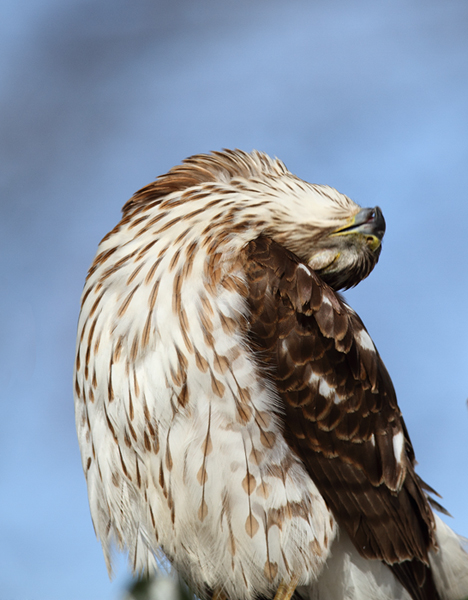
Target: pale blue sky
(99, 97)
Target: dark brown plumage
(302, 328)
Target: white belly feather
(181, 446)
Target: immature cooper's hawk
(232, 411)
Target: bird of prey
(233, 413)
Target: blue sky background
(98, 97)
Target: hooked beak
(368, 222)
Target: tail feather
(450, 563)
(349, 575)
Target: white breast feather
(204, 477)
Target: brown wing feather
(340, 412)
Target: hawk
(233, 413)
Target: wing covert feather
(340, 411)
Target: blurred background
(97, 97)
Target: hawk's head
(346, 255)
(237, 196)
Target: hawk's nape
(233, 413)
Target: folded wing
(340, 412)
